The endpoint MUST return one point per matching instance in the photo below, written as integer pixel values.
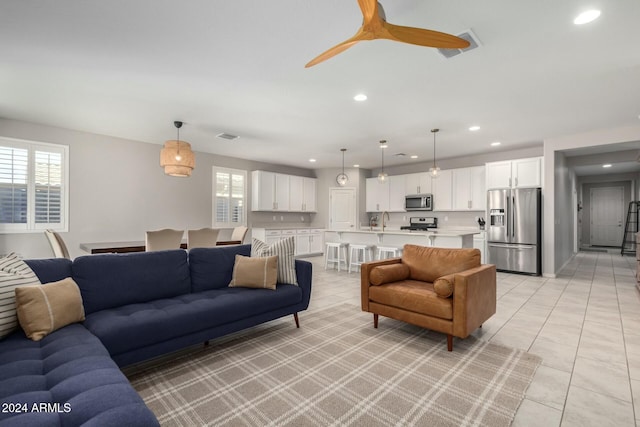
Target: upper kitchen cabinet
(417, 183)
(302, 194)
(387, 196)
(515, 173)
(442, 191)
(469, 190)
(270, 191)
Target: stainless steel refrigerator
(514, 233)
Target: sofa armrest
(303, 276)
(474, 298)
(365, 269)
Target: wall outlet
(274, 217)
(281, 217)
(302, 218)
(446, 218)
(404, 218)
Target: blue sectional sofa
(138, 306)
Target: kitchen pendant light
(176, 157)
(342, 178)
(382, 176)
(434, 171)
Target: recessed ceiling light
(586, 17)
(312, 160)
(495, 144)
(474, 128)
(360, 97)
(608, 165)
(356, 166)
(414, 157)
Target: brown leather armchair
(446, 290)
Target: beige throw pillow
(254, 272)
(43, 309)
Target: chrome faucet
(388, 218)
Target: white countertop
(433, 233)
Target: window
(229, 204)
(33, 186)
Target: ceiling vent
(400, 155)
(468, 36)
(227, 136)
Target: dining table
(134, 246)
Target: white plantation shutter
(33, 186)
(229, 198)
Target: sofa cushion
(14, 272)
(427, 264)
(388, 273)
(211, 268)
(43, 309)
(443, 286)
(254, 272)
(69, 369)
(285, 250)
(113, 280)
(413, 295)
(134, 326)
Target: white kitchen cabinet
(309, 241)
(479, 242)
(316, 241)
(377, 195)
(270, 191)
(302, 194)
(469, 190)
(269, 236)
(417, 183)
(442, 191)
(396, 193)
(519, 173)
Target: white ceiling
(130, 68)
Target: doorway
(607, 216)
(342, 209)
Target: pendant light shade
(342, 178)
(176, 157)
(382, 176)
(434, 171)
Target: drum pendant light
(382, 176)
(342, 178)
(176, 157)
(434, 171)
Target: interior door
(607, 216)
(342, 209)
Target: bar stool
(358, 255)
(385, 252)
(336, 252)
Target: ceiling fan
(375, 26)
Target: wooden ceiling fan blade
(339, 48)
(369, 9)
(423, 37)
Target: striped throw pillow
(14, 272)
(285, 250)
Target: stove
(420, 223)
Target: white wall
(118, 190)
(552, 199)
(326, 180)
(563, 225)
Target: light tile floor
(585, 324)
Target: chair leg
(375, 321)
(295, 317)
(449, 342)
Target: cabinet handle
(418, 189)
(469, 204)
(509, 182)
(516, 181)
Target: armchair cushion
(427, 264)
(388, 273)
(443, 286)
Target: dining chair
(161, 240)
(57, 244)
(203, 238)
(238, 233)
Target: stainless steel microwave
(418, 202)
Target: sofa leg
(206, 343)
(295, 317)
(375, 321)
(449, 342)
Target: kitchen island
(435, 238)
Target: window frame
(31, 226)
(229, 171)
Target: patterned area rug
(337, 370)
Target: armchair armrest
(474, 298)
(365, 269)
